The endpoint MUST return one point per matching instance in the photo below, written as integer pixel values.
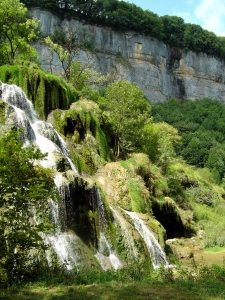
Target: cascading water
(131, 249)
(43, 135)
(156, 252)
(106, 256)
(63, 243)
(40, 133)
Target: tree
(167, 138)
(128, 111)
(25, 188)
(216, 161)
(150, 141)
(17, 31)
(173, 30)
(66, 45)
(83, 77)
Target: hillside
(92, 189)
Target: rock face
(160, 71)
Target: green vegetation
(16, 32)
(127, 111)
(134, 282)
(114, 124)
(200, 124)
(46, 91)
(81, 125)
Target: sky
(209, 14)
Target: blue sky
(210, 14)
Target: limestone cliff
(160, 71)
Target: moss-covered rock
(46, 91)
(81, 127)
(85, 210)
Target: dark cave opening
(171, 221)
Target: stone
(160, 71)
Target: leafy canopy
(127, 110)
(17, 31)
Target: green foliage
(138, 203)
(46, 91)
(24, 191)
(201, 126)
(82, 77)
(138, 167)
(168, 138)
(127, 111)
(2, 112)
(173, 30)
(17, 31)
(135, 280)
(65, 44)
(202, 195)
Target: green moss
(83, 129)
(136, 193)
(46, 91)
(2, 112)
(159, 230)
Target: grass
(108, 291)
(205, 283)
(215, 249)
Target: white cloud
(211, 15)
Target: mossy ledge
(80, 125)
(46, 91)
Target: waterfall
(156, 252)
(37, 132)
(47, 139)
(106, 256)
(66, 245)
(131, 248)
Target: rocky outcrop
(160, 71)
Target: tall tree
(128, 111)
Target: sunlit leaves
(128, 111)
(16, 31)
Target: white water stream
(106, 256)
(47, 139)
(131, 248)
(156, 252)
